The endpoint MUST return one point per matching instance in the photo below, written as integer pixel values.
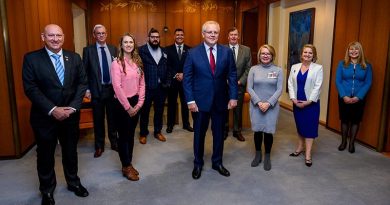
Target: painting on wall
(301, 30)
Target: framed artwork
(301, 31)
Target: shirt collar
(51, 53)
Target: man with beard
(157, 80)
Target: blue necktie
(59, 67)
(106, 72)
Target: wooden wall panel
(192, 23)
(225, 19)
(99, 13)
(138, 25)
(175, 19)
(119, 23)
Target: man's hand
(179, 77)
(232, 104)
(61, 113)
(193, 107)
(347, 100)
(88, 94)
(354, 100)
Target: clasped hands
(61, 113)
(263, 106)
(349, 100)
(301, 103)
(194, 108)
(132, 111)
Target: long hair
(313, 49)
(361, 59)
(134, 55)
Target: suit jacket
(243, 63)
(204, 87)
(174, 64)
(313, 81)
(154, 71)
(92, 68)
(44, 89)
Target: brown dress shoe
(129, 174)
(142, 139)
(132, 169)
(98, 152)
(239, 136)
(160, 137)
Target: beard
(154, 44)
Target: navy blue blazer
(154, 71)
(204, 87)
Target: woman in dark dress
(353, 80)
(304, 86)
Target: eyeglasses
(100, 33)
(211, 32)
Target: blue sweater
(353, 82)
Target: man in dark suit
(97, 60)
(55, 82)
(157, 81)
(177, 53)
(243, 59)
(206, 70)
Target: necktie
(59, 68)
(212, 60)
(234, 52)
(106, 72)
(179, 52)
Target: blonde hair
(361, 59)
(313, 49)
(270, 49)
(134, 55)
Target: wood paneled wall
(368, 22)
(26, 20)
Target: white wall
(323, 37)
(80, 36)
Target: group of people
(210, 80)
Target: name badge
(272, 75)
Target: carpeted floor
(165, 171)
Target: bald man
(55, 82)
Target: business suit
(102, 95)
(243, 65)
(44, 89)
(156, 82)
(211, 94)
(175, 65)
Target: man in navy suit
(157, 81)
(177, 53)
(206, 70)
(97, 60)
(55, 82)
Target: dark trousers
(175, 90)
(157, 98)
(47, 135)
(126, 128)
(237, 111)
(201, 124)
(102, 107)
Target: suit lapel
(67, 66)
(49, 65)
(95, 60)
(204, 56)
(239, 55)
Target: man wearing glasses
(207, 68)
(97, 60)
(157, 80)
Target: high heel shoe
(296, 154)
(308, 162)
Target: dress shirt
(156, 54)
(109, 59)
(235, 50)
(214, 53)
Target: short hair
(231, 29)
(270, 49)
(179, 29)
(98, 26)
(153, 30)
(313, 48)
(361, 59)
(208, 23)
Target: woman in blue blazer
(304, 86)
(353, 80)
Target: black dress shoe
(98, 152)
(222, 170)
(79, 190)
(189, 128)
(169, 129)
(308, 162)
(48, 199)
(196, 172)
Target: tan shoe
(132, 169)
(129, 174)
(160, 137)
(142, 139)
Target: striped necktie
(59, 67)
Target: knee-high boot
(354, 130)
(344, 135)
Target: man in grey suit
(243, 59)
(97, 60)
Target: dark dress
(307, 118)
